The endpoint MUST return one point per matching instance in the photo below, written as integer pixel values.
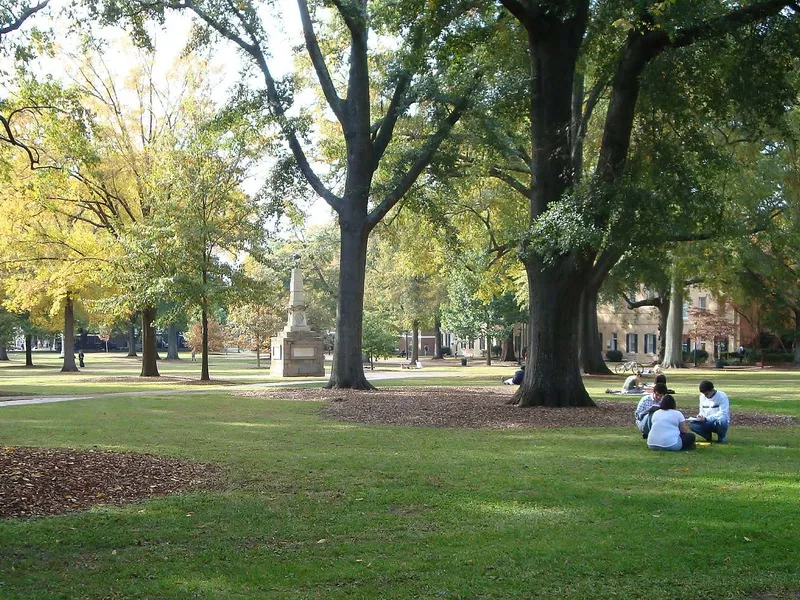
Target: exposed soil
(50, 481)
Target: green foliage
(614, 355)
(379, 339)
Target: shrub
(614, 355)
(446, 351)
(702, 356)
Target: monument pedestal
(297, 354)
(297, 351)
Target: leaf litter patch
(474, 408)
(51, 481)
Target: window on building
(702, 302)
(650, 343)
(632, 342)
(685, 310)
(614, 341)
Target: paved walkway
(371, 376)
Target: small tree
(710, 325)
(216, 336)
(377, 338)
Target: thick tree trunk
(673, 352)
(28, 350)
(507, 354)
(796, 336)
(149, 350)
(437, 336)
(591, 348)
(663, 317)
(553, 375)
(172, 342)
(204, 374)
(132, 339)
(415, 341)
(68, 346)
(347, 370)
(3, 352)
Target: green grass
(319, 509)
(46, 377)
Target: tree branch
(18, 21)
(423, 159)
(510, 181)
(323, 75)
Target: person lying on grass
(669, 430)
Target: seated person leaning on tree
(669, 430)
(714, 415)
(519, 375)
(647, 406)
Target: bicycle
(631, 365)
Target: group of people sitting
(665, 428)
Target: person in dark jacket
(517, 378)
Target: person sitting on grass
(648, 405)
(669, 430)
(661, 378)
(714, 415)
(519, 375)
(632, 385)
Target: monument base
(297, 354)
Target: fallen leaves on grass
(49, 481)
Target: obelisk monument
(297, 351)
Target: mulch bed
(474, 408)
(50, 481)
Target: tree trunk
(663, 317)
(437, 336)
(172, 342)
(258, 352)
(204, 375)
(488, 350)
(553, 375)
(591, 348)
(796, 336)
(673, 353)
(149, 351)
(68, 344)
(28, 350)
(132, 338)
(415, 341)
(3, 352)
(507, 354)
(347, 370)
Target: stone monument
(297, 351)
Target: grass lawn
(320, 509)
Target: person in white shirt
(714, 415)
(668, 430)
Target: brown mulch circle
(50, 481)
(473, 408)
